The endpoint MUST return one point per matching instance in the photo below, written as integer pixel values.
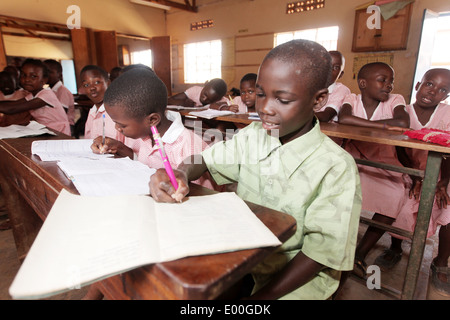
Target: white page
(79, 166)
(85, 239)
(211, 113)
(55, 150)
(210, 224)
(17, 131)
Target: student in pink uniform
(8, 92)
(336, 91)
(64, 95)
(428, 111)
(94, 82)
(211, 93)
(376, 107)
(136, 101)
(42, 104)
(245, 102)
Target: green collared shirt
(310, 178)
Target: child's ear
(417, 86)
(341, 74)
(362, 83)
(321, 97)
(153, 119)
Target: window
(142, 57)
(202, 61)
(327, 37)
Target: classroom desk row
(430, 176)
(31, 186)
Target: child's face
(283, 101)
(94, 85)
(129, 127)
(336, 65)
(379, 83)
(32, 78)
(433, 89)
(53, 75)
(248, 93)
(208, 95)
(7, 84)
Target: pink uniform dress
(440, 119)
(337, 93)
(52, 115)
(382, 190)
(238, 101)
(94, 125)
(66, 99)
(194, 92)
(179, 143)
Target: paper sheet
(16, 131)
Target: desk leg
(423, 219)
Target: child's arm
(189, 170)
(224, 106)
(295, 274)
(400, 119)
(111, 146)
(16, 106)
(181, 99)
(442, 197)
(326, 115)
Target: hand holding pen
(165, 159)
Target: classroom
(189, 42)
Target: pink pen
(165, 160)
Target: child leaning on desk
(376, 107)
(42, 104)
(136, 101)
(286, 163)
(94, 82)
(212, 93)
(428, 111)
(8, 92)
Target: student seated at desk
(336, 91)
(286, 163)
(94, 82)
(376, 107)
(64, 95)
(8, 92)
(42, 104)
(428, 111)
(245, 103)
(212, 93)
(136, 101)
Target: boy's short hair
(314, 60)
(249, 77)
(139, 91)
(54, 64)
(37, 63)
(368, 68)
(219, 86)
(100, 70)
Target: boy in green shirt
(286, 163)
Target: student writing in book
(428, 111)
(64, 95)
(376, 107)
(286, 163)
(42, 104)
(136, 101)
(337, 91)
(212, 93)
(8, 92)
(94, 82)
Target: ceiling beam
(189, 5)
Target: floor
(354, 288)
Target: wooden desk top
(235, 118)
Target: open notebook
(85, 239)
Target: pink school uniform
(337, 93)
(242, 106)
(94, 125)
(440, 119)
(52, 115)
(382, 190)
(66, 99)
(179, 143)
(194, 92)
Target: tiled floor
(353, 289)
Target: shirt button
(269, 181)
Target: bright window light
(202, 61)
(327, 36)
(142, 57)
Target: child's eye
(283, 101)
(443, 90)
(260, 94)
(429, 84)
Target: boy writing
(286, 163)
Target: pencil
(164, 158)
(103, 136)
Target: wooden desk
(32, 186)
(241, 118)
(430, 175)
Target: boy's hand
(442, 198)
(234, 108)
(110, 146)
(162, 190)
(415, 189)
(188, 103)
